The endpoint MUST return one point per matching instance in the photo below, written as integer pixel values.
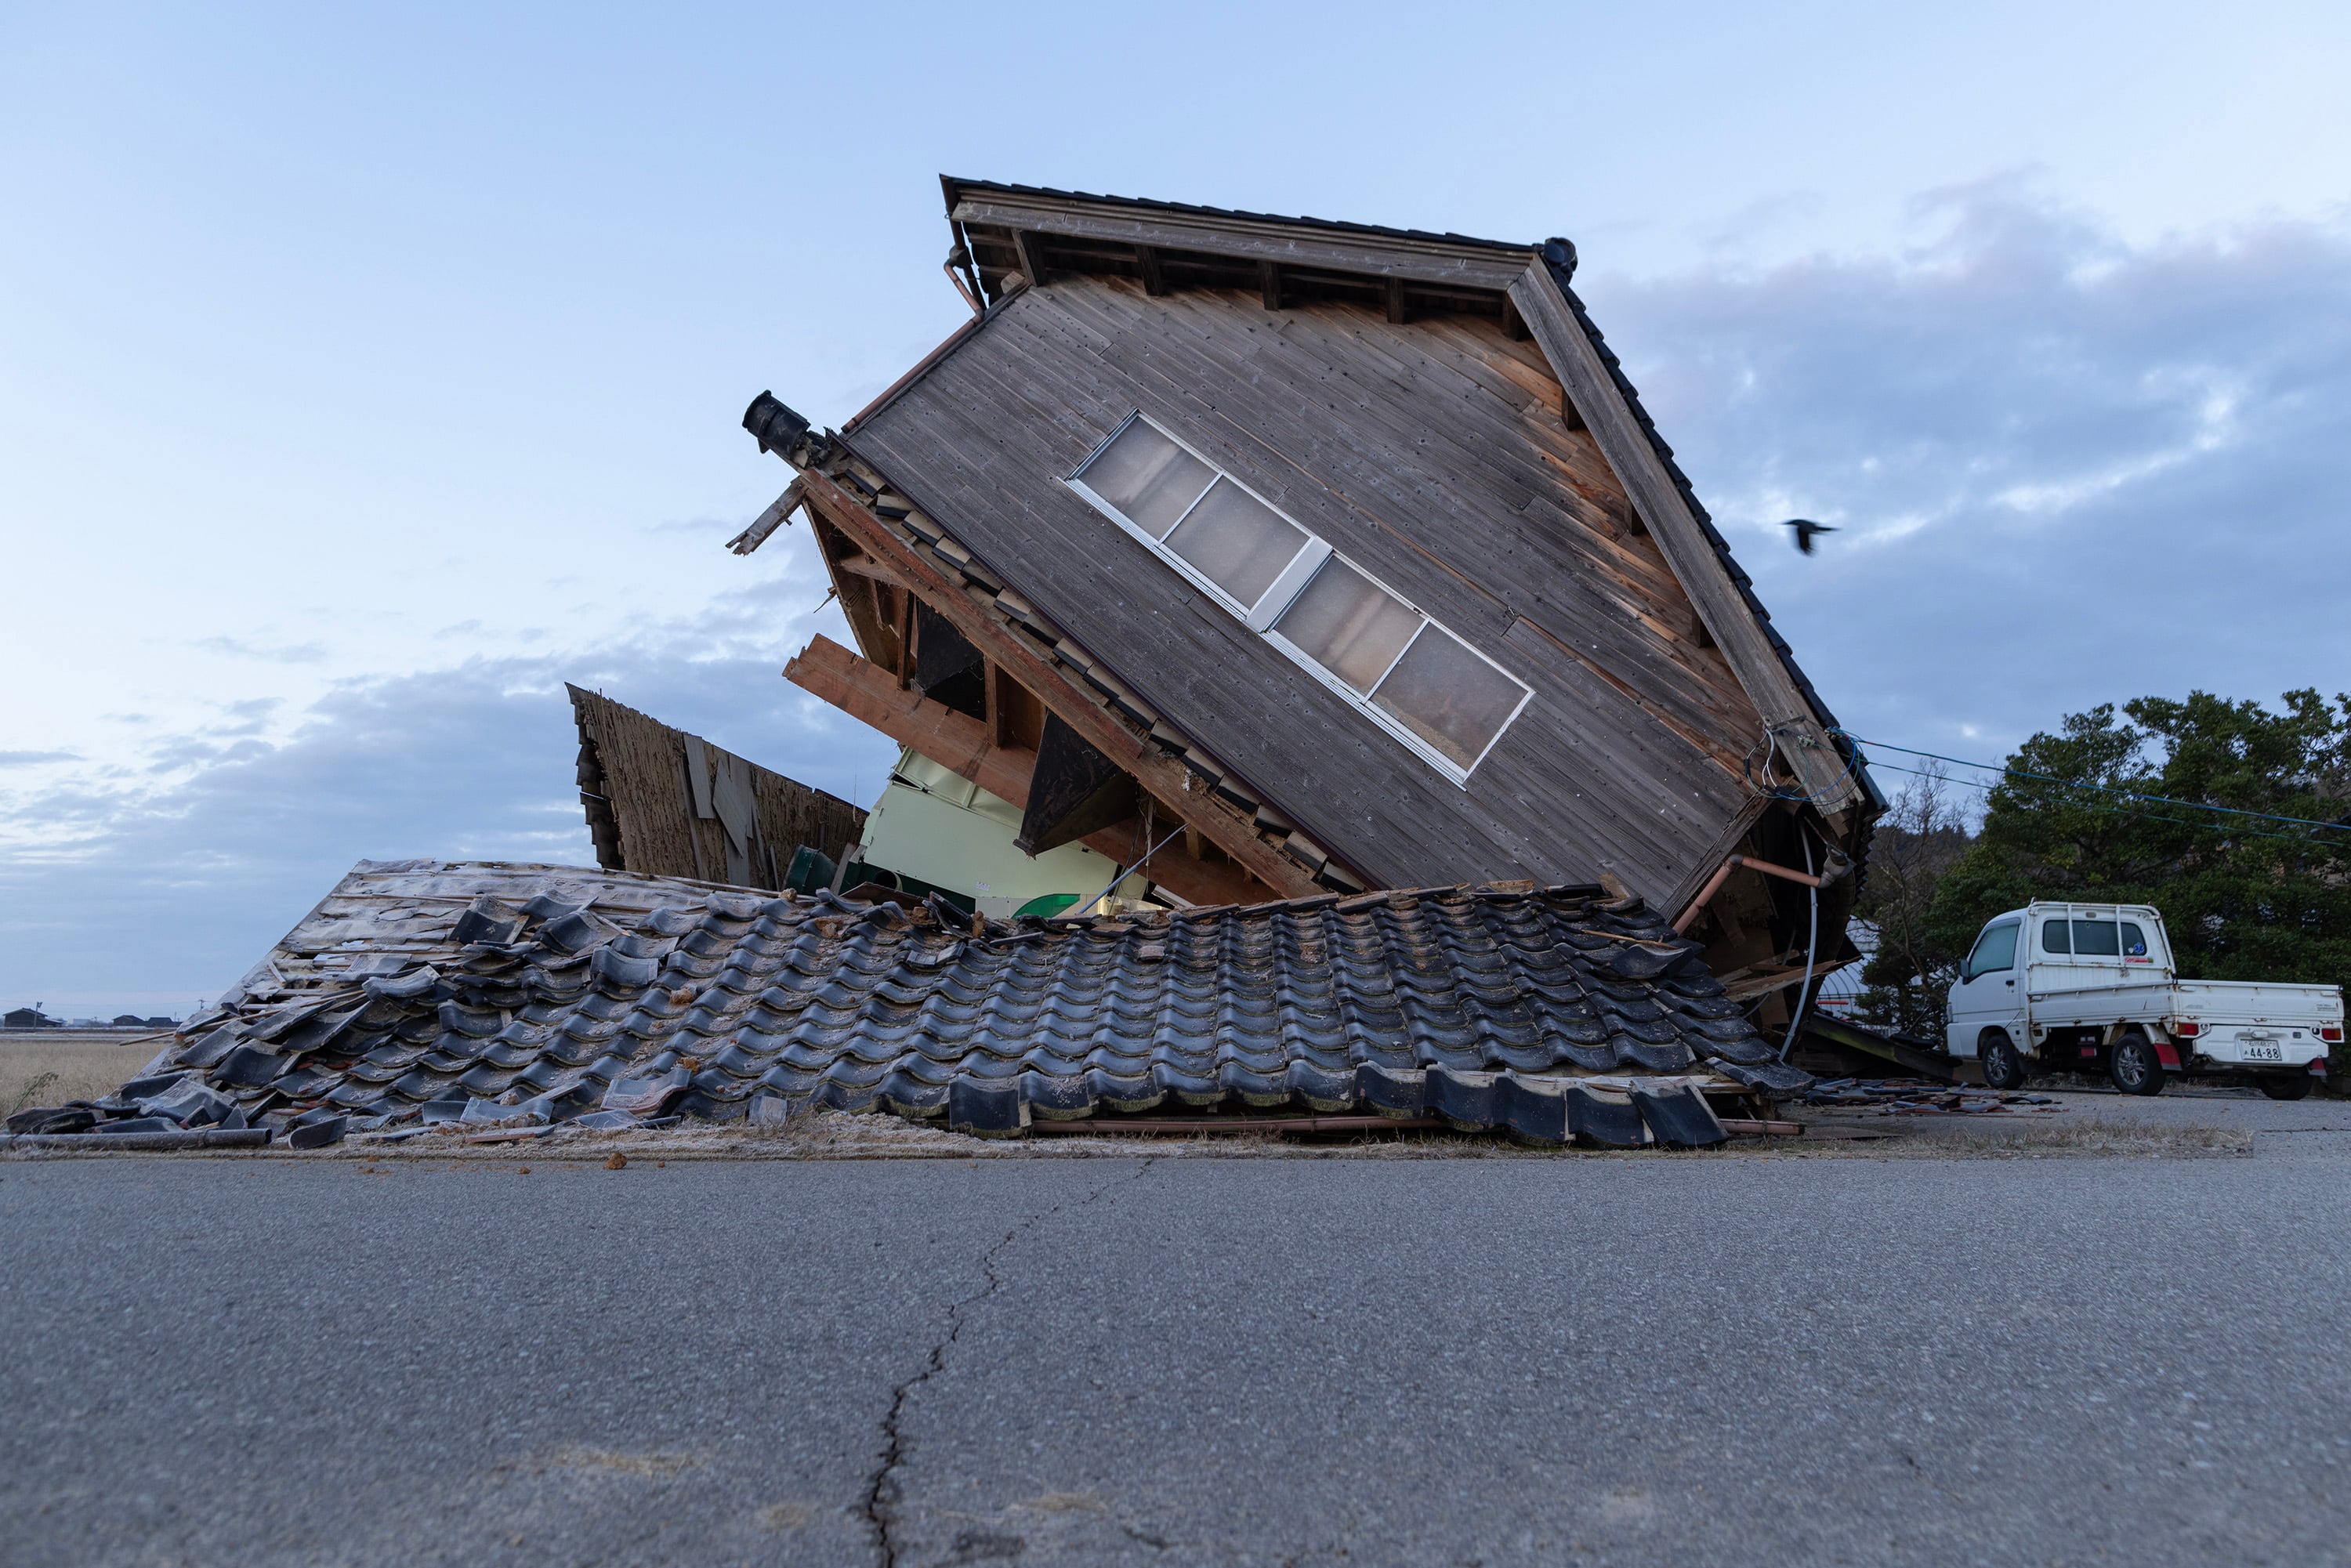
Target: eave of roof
(956, 189)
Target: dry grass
(52, 1066)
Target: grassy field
(75, 1066)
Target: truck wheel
(2003, 1068)
(2134, 1066)
(2277, 1086)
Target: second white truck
(2089, 988)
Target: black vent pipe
(773, 423)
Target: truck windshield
(1995, 950)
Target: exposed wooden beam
(1268, 277)
(776, 515)
(869, 569)
(1515, 325)
(1396, 301)
(870, 693)
(1659, 503)
(1003, 707)
(1162, 775)
(859, 601)
(906, 638)
(1146, 258)
(960, 744)
(1031, 247)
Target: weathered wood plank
(1679, 535)
(1446, 524)
(1425, 261)
(1215, 665)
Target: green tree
(2244, 898)
(1911, 969)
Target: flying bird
(1805, 529)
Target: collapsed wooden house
(1308, 556)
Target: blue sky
(364, 374)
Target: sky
(367, 373)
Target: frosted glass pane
(1149, 477)
(1239, 543)
(1449, 696)
(1351, 627)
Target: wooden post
(1031, 247)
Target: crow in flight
(1805, 529)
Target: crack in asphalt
(880, 1505)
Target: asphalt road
(1691, 1359)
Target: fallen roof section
(666, 802)
(1552, 1013)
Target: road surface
(1688, 1359)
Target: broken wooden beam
(1163, 775)
(960, 744)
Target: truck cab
(2092, 987)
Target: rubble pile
(1918, 1097)
(1551, 1014)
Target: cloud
(2066, 470)
(283, 653)
(183, 884)
(30, 759)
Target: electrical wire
(1764, 788)
(1126, 871)
(2077, 784)
(2126, 811)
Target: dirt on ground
(837, 1136)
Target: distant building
(29, 1018)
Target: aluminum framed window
(1446, 701)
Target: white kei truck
(2085, 988)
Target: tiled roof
(1540, 1010)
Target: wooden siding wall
(638, 767)
(1432, 452)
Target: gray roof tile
(1482, 1006)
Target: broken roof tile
(1485, 1007)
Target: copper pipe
(1714, 885)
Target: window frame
(2013, 927)
(1285, 591)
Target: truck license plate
(2254, 1052)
